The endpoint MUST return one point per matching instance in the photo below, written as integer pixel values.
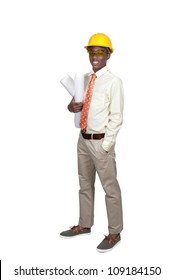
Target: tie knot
(94, 76)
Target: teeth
(95, 62)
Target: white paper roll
(77, 119)
(76, 89)
(79, 87)
(68, 83)
(79, 95)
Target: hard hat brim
(111, 49)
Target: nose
(94, 55)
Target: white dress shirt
(106, 108)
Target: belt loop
(92, 136)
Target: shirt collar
(100, 72)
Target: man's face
(98, 57)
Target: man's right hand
(75, 107)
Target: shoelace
(111, 239)
(77, 229)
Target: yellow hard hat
(100, 40)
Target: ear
(108, 55)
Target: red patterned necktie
(85, 109)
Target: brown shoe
(109, 242)
(74, 231)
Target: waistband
(94, 136)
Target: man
(101, 119)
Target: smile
(95, 62)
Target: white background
(41, 41)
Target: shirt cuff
(107, 145)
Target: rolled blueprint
(79, 95)
(68, 83)
(76, 89)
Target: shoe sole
(107, 250)
(69, 237)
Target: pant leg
(105, 165)
(86, 171)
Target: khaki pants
(91, 159)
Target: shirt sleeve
(115, 114)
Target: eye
(98, 53)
